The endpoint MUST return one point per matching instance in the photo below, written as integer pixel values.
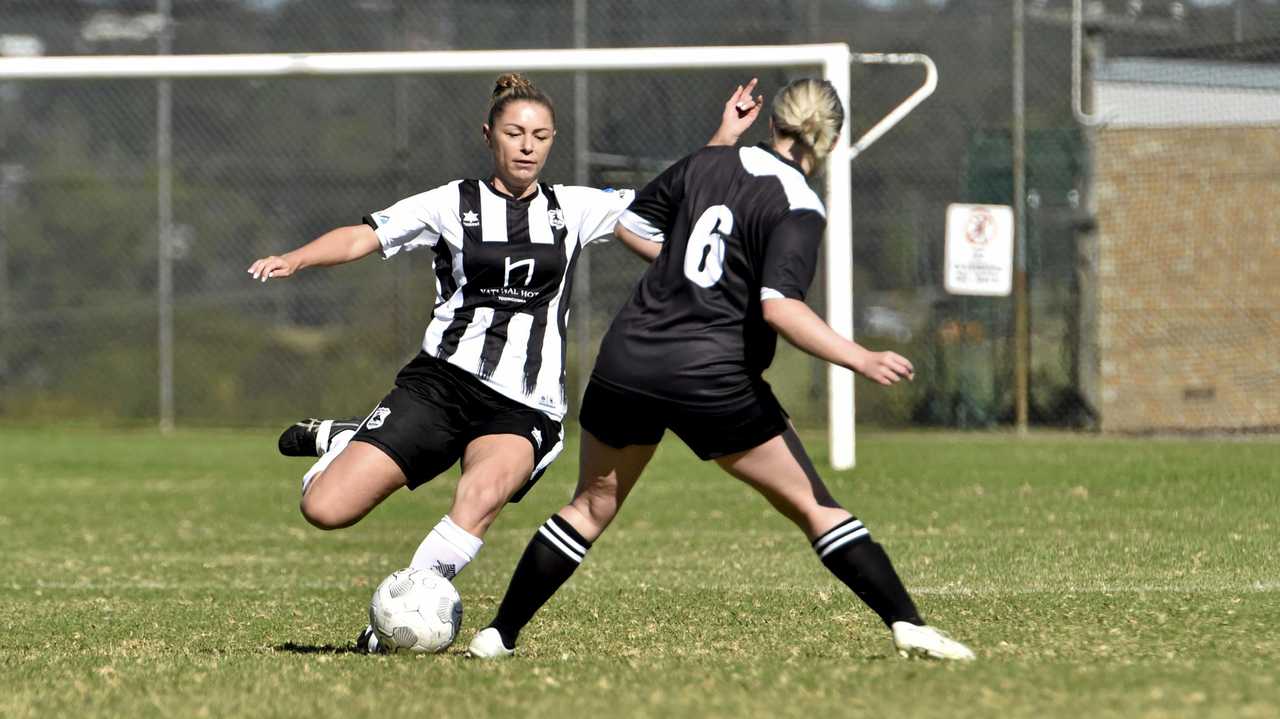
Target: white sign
(979, 254)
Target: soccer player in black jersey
(734, 233)
(488, 386)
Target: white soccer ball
(415, 610)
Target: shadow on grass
(294, 648)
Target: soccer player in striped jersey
(487, 387)
(735, 233)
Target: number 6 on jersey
(704, 257)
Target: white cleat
(912, 640)
(488, 645)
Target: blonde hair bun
(810, 112)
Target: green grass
(150, 576)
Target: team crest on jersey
(378, 417)
(556, 218)
(470, 219)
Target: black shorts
(437, 409)
(620, 417)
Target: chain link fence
(263, 165)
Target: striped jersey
(504, 275)
(738, 226)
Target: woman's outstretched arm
(802, 327)
(335, 247)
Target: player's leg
(757, 444)
(350, 478)
(618, 439)
(357, 479)
(449, 547)
(781, 470)
(606, 476)
(404, 441)
(494, 467)
(507, 447)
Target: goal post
(833, 60)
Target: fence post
(1021, 300)
(581, 176)
(164, 219)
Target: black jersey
(738, 226)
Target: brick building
(1186, 281)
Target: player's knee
(597, 506)
(323, 514)
(602, 509)
(806, 512)
(485, 496)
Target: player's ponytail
(809, 112)
(512, 87)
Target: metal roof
(1193, 73)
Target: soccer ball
(415, 610)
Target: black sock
(847, 550)
(553, 554)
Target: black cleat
(301, 439)
(367, 643)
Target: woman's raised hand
(740, 111)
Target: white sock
(447, 550)
(337, 443)
(322, 436)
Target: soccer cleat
(913, 640)
(310, 437)
(367, 643)
(488, 645)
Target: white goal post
(834, 60)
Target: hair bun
(515, 87)
(809, 111)
(510, 81)
(811, 128)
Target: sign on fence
(979, 252)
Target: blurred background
(1152, 237)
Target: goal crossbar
(833, 59)
(411, 62)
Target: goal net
(145, 186)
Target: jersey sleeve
(414, 221)
(655, 206)
(598, 209)
(791, 255)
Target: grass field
(150, 576)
